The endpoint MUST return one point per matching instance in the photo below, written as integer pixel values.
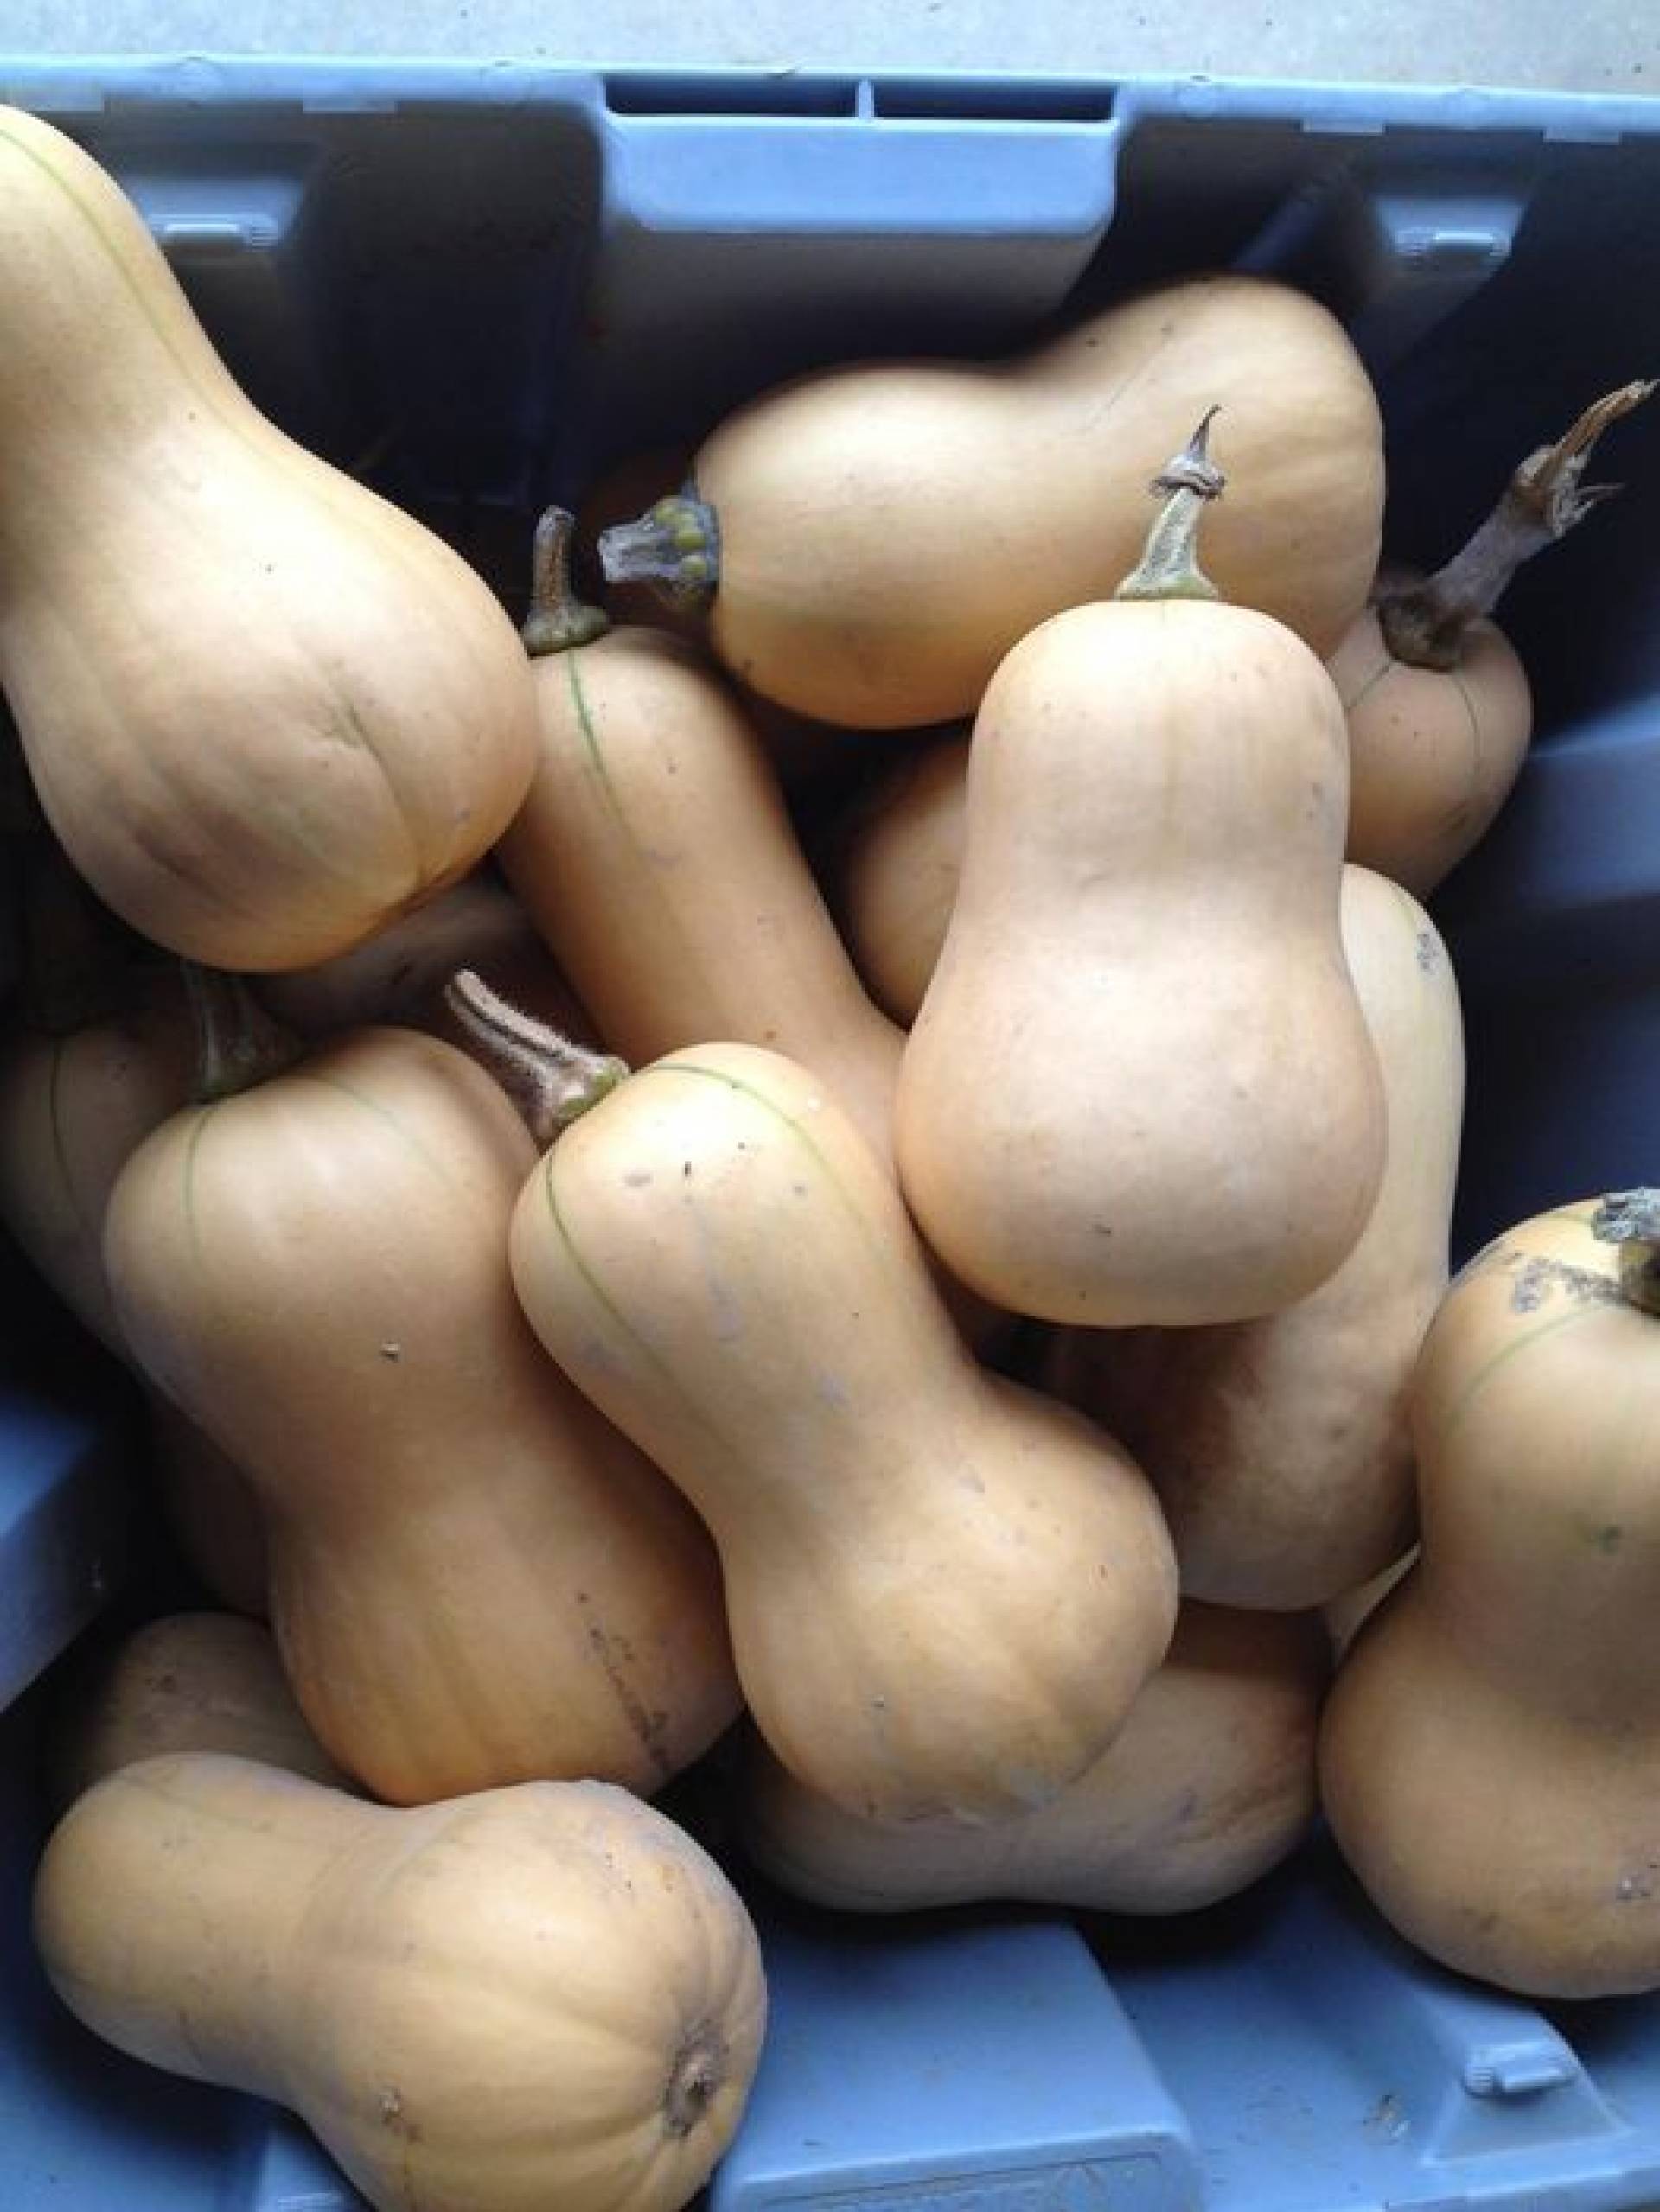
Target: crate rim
(85, 85)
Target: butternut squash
(1208, 1785)
(1434, 751)
(944, 1590)
(474, 1578)
(894, 871)
(532, 1997)
(1490, 1757)
(872, 539)
(1280, 1447)
(1439, 705)
(74, 1104)
(805, 753)
(657, 858)
(183, 1682)
(264, 709)
(1139, 1088)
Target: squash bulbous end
(695, 2080)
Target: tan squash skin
(1490, 1758)
(528, 1999)
(1139, 1089)
(184, 1682)
(944, 1590)
(656, 857)
(263, 710)
(1279, 1448)
(888, 530)
(1433, 753)
(399, 974)
(72, 1109)
(1208, 1783)
(474, 1579)
(1345, 1615)
(895, 876)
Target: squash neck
(1559, 1643)
(251, 1847)
(1540, 1504)
(292, 1852)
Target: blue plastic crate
(481, 284)
(981, 2064)
(70, 1479)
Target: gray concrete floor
(1602, 46)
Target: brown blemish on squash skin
(1538, 1276)
(391, 2108)
(614, 1655)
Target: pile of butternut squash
(933, 1336)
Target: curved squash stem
(1169, 567)
(1425, 623)
(549, 1078)
(674, 546)
(1631, 1218)
(557, 620)
(238, 1044)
